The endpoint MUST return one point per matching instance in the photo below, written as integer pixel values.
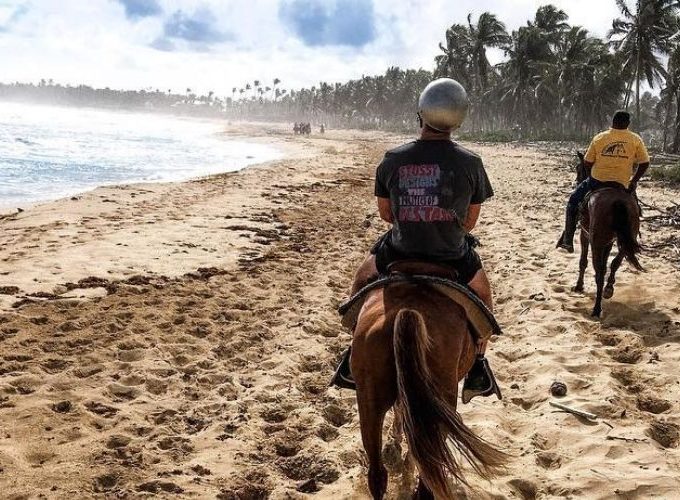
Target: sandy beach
(177, 339)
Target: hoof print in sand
(308, 486)
(666, 434)
(336, 415)
(159, 487)
(62, 407)
(254, 484)
(526, 489)
(101, 409)
(627, 354)
(287, 446)
(104, 483)
(123, 392)
(117, 441)
(327, 433)
(307, 466)
(549, 460)
(274, 415)
(651, 404)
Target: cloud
(59, 40)
(137, 9)
(16, 14)
(198, 30)
(163, 44)
(319, 23)
(199, 27)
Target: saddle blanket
(482, 321)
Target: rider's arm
(590, 156)
(642, 158)
(385, 209)
(639, 172)
(472, 216)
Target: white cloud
(95, 43)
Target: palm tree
(276, 82)
(671, 94)
(642, 36)
(551, 21)
(488, 32)
(455, 60)
(521, 74)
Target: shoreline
(74, 232)
(281, 150)
(214, 382)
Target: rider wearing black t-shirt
(431, 185)
(431, 191)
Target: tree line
(555, 81)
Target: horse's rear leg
(600, 257)
(583, 263)
(609, 288)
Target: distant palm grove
(556, 81)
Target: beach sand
(177, 339)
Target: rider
(610, 158)
(431, 191)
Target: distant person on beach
(431, 191)
(610, 158)
(296, 128)
(322, 129)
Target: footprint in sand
(337, 415)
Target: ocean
(51, 152)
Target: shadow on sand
(654, 325)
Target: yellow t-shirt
(613, 153)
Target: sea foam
(51, 152)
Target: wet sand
(177, 339)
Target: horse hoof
(577, 288)
(608, 292)
(596, 313)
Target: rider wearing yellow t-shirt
(611, 157)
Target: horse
(611, 214)
(581, 172)
(411, 347)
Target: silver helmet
(443, 105)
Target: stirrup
(480, 370)
(342, 377)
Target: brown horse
(411, 347)
(612, 215)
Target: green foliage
(667, 173)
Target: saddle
(605, 185)
(584, 216)
(439, 278)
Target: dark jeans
(580, 193)
(466, 266)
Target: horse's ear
(580, 155)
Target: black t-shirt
(431, 185)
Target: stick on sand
(573, 411)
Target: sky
(215, 45)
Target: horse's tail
(429, 419)
(628, 242)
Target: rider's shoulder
(636, 136)
(465, 153)
(404, 148)
(602, 134)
